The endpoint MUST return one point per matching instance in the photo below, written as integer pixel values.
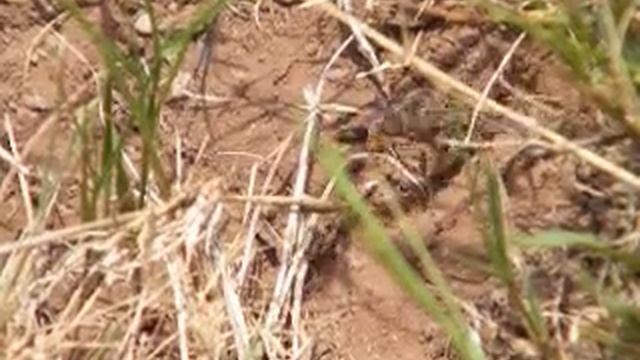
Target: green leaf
(558, 238)
(388, 254)
(496, 231)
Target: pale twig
(305, 203)
(471, 96)
(212, 241)
(314, 97)
(364, 46)
(85, 345)
(178, 160)
(78, 54)
(393, 162)
(213, 99)
(205, 208)
(36, 41)
(234, 309)
(295, 224)
(413, 50)
(302, 263)
(124, 221)
(256, 13)
(333, 107)
(487, 89)
(162, 346)
(179, 300)
(272, 347)
(403, 170)
(383, 67)
(6, 156)
(481, 145)
(134, 325)
(250, 192)
(24, 185)
(240, 153)
(257, 211)
(296, 311)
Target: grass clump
(143, 84)
(84, 265)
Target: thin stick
(179, 302)
(234, 310)
(36, 41)
(179, 169)
(306, 203)
(294, 225)
(253, 224)
(364, 46)
(487, 89)
(198, 157)
(6, 156)
(239, 153)
(296, 311)
(123, 221)
(256, 13)
(250, 190)
(482, 145)
(24, 185)
(471, 96)
(213, 99)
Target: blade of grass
(521, 296)
(495, 231)
(560, 238)
(378, 242)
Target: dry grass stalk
(297, 233)
(295, 224)
(257, 212)
(22, 181)
(487, 89)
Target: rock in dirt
(37, 103)
(143, 24)
(179, 85)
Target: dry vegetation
(391, 179)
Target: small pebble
(143, 24)
(180, 84)
(37, 103)
(353, 134)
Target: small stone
(180, 84)
(37, 103)
(353, 134)
(143, 24)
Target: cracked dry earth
(353, 308)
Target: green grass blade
(558, 238)
(585, 241)
(378, 242)
(495, 229)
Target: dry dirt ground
(353, 309)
